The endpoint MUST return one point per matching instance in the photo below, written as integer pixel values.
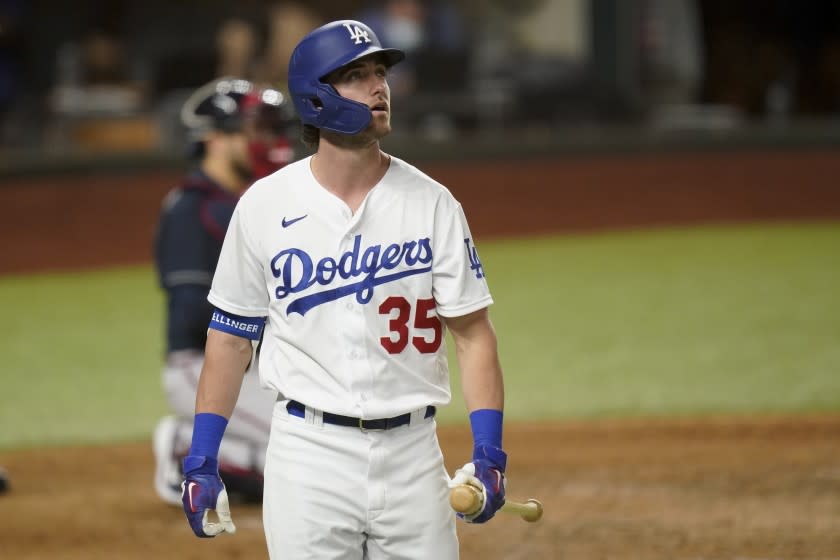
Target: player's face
(366, 81)
(239, 156)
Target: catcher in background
(239, 134)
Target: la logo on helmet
(357, 33)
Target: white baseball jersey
(351, 300)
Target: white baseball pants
(340, 493)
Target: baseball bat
(466, 499)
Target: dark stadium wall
(77, 221)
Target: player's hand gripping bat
(468, 499)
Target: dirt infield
(712, 488)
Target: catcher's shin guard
(243, 486)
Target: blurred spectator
(95, 103)
(671, 66)
(431, 34)
(288, 22)
(236, 46)
(234, 51)
(543, 70)
(103, 60)
(672, 51)
(229, 46)
(92, 78)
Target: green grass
(82, 357)
(669, 322)
(664, 322)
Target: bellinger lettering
(248, 327)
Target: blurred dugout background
(104, 77)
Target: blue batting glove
(486, 473)
(202, 492)
(490, 463)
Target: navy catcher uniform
(223, 118)
(354, 263)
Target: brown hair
(310, 136)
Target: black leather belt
(298, 409)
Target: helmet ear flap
(339, 114)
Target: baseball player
(239, 133)
(352, 264)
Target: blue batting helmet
(322, 51)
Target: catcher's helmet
(226, 103)
(322, 51)
(230, 105)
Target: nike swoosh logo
(286, 223)
(190, 494)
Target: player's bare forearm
(226, 359)
(477, 352)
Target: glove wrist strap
(207, 435)
(199, 464)
(486, 427)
